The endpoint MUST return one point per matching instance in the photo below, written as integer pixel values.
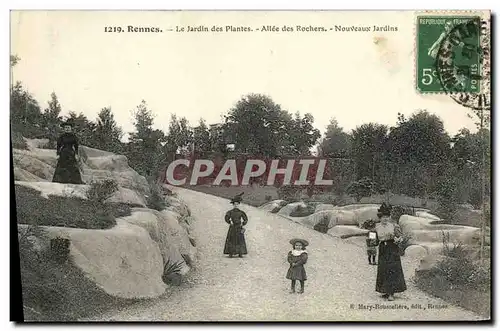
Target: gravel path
(340, 285)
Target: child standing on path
(371, 242)
(297, 257)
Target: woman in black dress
(67, 170)
(235, 239)
(390, 277)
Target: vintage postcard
(280, 166)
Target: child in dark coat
(371, 242)
(297, 257)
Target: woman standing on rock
(235, 240)
(390, 277)
(67, 170)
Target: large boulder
(415, 252)
(324, 206)
(124, 261)
(29, 162)
(341, 230)
(333, 217)
(26, 176)
(426, 214)
(177, 205)
(97, 165)
(358, 206)
(273, 206)
(159, 231)
(365, 214)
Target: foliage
(172, 272)
(25, 114)
(107, 133)
(336, 142)
(447, 198)
(368, 142)
(65, 211)
(100, 191)
(180, 135)
(52, 120)
(144, 149)
(398, 211)
(260, 127)
(289, 193)
(363, 188)
(155, 200)
(404, 242)
(301, 211)
(18, 141)
(323, 224)
(201, 137)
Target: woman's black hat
(237, 198)
(384, 210)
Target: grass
(473, 298)
(56, 291)
(458, 279)
(72, 212)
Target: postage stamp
(448, 57)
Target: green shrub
(155, 199)
(323, 224)
(100, 191)
(171, 272)
(33, 209)
(404, 242)
(18, 141)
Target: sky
(355, 77)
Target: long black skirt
(390, 277)
(235, 241)
(67, 170)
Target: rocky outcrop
(96, 165)
(129, 259)
(124, 261)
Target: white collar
(298, 253)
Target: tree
(418, 149)
(302, 135)
(363, 187)
(52, 120)
(483, 117)
(144, 149)
(368, 148)
(14, 59)
(179, 136)
(107, 134)
(25, 113)
(259, 126)
(336, 142)
(83, 127)
(201, 138)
